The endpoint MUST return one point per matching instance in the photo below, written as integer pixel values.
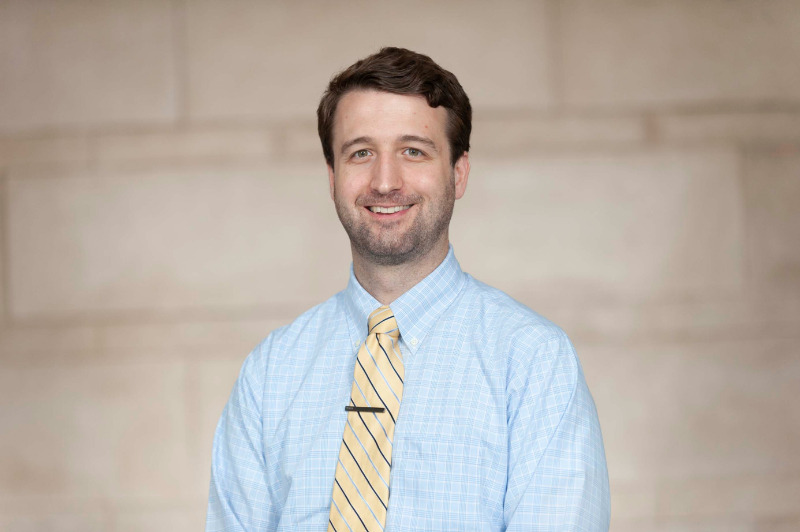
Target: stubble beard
(389, 245)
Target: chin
(390, 255)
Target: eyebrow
(405, 138)
(347, 145)
(422, 140)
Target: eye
(360, 154)
(414, 152)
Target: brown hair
(400, 71)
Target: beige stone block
(54, 522)
(751, 498)
(102, 431)
(44, 151)
(209, 384)
(630, 525)
(85, 63)
(684, 525)
(779, 525)
(273, 59)
(158, 520)
(745, 127)
(3, 258)
(629, 53)
(693, 525)
(581, 228)
(772, 196)
(32, 345)
(685, 412)
(690, 319)
(707, 318)
(627, 410)
(208, 144)
(300, 142)
(175, 242)
(496, 135)
(632, 501)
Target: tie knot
(382, 321)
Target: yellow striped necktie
(361, 485)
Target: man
(418, 398)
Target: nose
(387, 176)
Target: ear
(461, 173)
(330, 178)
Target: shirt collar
(416, 311)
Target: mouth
(388, 210)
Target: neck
(387, 283)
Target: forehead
(385, 115)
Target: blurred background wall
(164, 206)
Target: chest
(449, 458)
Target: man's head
(396, 162)
(400, 71)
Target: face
(392, 182)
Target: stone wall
(164, 205)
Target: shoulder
(504, 315)
(531, 344)
(317, 321)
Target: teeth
(389, 210)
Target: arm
(238, 499)
(557, 477)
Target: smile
(389, 210)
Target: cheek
(436, 182)
(347, 188)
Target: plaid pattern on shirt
(497, 429)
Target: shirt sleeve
(238, 498)
(557, 475)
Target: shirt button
(356, 344)
(414, 341)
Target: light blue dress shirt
(497, 429)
